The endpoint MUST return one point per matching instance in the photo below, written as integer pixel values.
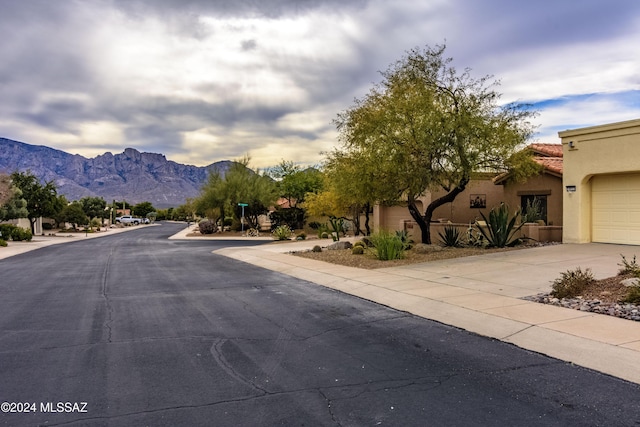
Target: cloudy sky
(208, 80)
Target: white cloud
(202, 81)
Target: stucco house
(601, 197)
(545, 187)
(487, 190)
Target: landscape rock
(633, 281)
(339, 246)
(422, 248)
(622, 310)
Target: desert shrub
(633, 295)
(282, 232)
(314, 225)
(47, 226)
(450, 236)
(301, 236)
(360, 243)
(571, 283)
(387, 246)
(405, 238)
(629, 267)
(207, 227)
(357, 250)
(367, 241)
(6, 230)
(293, 217)
(316, 248)
(3, 243)
(500, 229)
(475, 238)
(337, 227)
(95, 222)
(532, 211)
(253, 232)
(321, 230)
(20, 234)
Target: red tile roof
(547, 150)
(547, 155)
(552, 164)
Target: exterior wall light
(571, 188)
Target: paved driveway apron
(148, 331)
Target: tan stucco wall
(460, 211)
(544, 183)
(390, 217)
(606, 149)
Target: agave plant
(501, 229)
(450, 236)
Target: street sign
(242, 219)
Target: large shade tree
(348, 192)
(94, 207)
(428, 127)
(294, 183)
(221, 196)
(12, 204)
(143, 209)
(42, 199)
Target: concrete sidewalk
(482, 294)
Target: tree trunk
(425, 227)
(424, 221)
(366, 219)
(355, 211)
(32, 221)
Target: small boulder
(339, 246)
(422, 248)
(634, 281)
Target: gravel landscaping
(368, 260)
(600, 297)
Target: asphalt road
(134, 329)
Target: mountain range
(131, 175)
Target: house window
(534, 207)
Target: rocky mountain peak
(131, 175)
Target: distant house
(487, 190)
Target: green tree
(95, 207)
(220, 197)
(5, 188)
(294, 184)
(12, 204)
(74, 214)
(212, 201)
(352, 180)
(41, 199)
(426, 126)
(142, 209)
(243, 185)
(60, 203)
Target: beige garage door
(615, 207)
